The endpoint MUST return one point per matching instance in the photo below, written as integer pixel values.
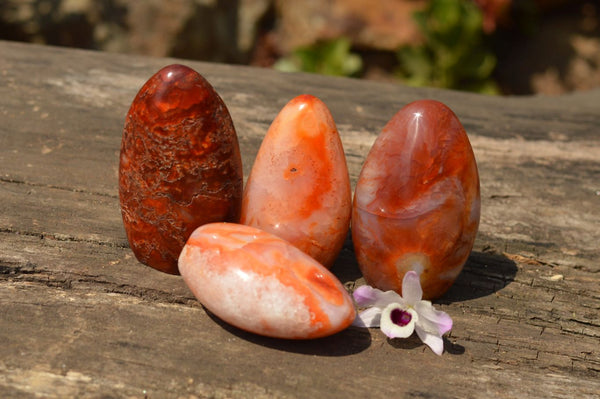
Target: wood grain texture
(82, 318)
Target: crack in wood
(56, 187)
(85, 282)
(63, 237)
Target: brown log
(80, 317)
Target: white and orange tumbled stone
(262, 284)
(299, 188)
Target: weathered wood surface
(81, 317)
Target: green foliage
(454, 54)
(331, 57)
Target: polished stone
(299, 187)
(417, 201)
(262, 284)
(180, 165)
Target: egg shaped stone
(180, 165)
(263, 284)
(417, 203)
(299, 188)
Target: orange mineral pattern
(417, 202)
(262, 284)
(299, 187)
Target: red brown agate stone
(417, 202)
(180, 165)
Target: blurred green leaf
(333, 57)
(454, 54)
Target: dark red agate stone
(180, 165)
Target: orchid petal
(433, 321)
(435, 342)
(365, 295)
(368, 318)
(368, 296)
(411, 288)
(393, 330)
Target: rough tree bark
(81, 317)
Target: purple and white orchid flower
(399, 316)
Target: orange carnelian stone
(417, 202)
(180, 165)
(299, 187)
(262, 284)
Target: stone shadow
(350, 341)
(346, 267)
(414, 341)
(484, 273)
